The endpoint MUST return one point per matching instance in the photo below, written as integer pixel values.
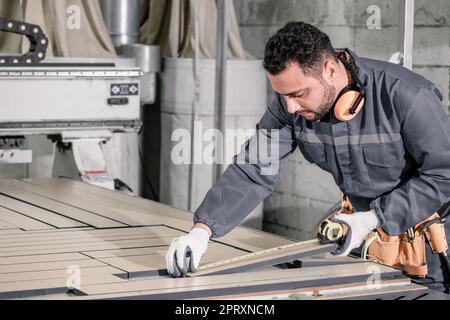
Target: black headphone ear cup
(345, 103)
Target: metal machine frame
(78, 104)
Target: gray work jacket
(393, 157)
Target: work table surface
(62, 239)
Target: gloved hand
(360, 224)
(185, 252)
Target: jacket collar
(357, 63)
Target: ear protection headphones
(351, 99)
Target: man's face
(307, 95)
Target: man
(389, 154)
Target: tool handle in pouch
(435, 234)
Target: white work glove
(185, 252)
(360, 224)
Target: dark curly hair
(299, 42)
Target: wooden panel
(7, 270)
(46, 281)
(242, 237)
(87, 218)
(153, 259)
(42, 258)
(90, 202)
(18, 233)
(39, 214)
(6, 226)
(267, 278)
(124, 252)
(21, 221)
(100, 245)
(34, 263)
(351, 291)
(69, 233)
(83, 237)
(367, 292)
(327, 259)
(109, 195)
(144, 263)
(9, 231)
(53, 274)
(214, 253)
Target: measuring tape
(329, 232)
(250, 256)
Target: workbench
(57, 232)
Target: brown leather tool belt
(405, 251)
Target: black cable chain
(37, 38)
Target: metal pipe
(195, 103)
(24, 4)
(221, 85)
(122, 20)
(406, 32)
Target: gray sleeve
(426, 135)
(252, 176)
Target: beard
(327, 102)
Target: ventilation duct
(122, 20)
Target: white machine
(78, 104)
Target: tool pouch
(407, 251)
(436, 237)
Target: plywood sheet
(6, 226)
(88, 218)
(55, 282)
(47, 266)
(83, 237)
(244, 238)
(90, 202)
(266, 280)
(116, 236)
(151, 261)
(44, 216)
(22, 221)
(42, 258)
(54, 274)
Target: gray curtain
(164, 22)
(169, 23)
(8, 42)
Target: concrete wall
(304, 192)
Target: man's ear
(330, 71)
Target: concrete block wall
(304, 191)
